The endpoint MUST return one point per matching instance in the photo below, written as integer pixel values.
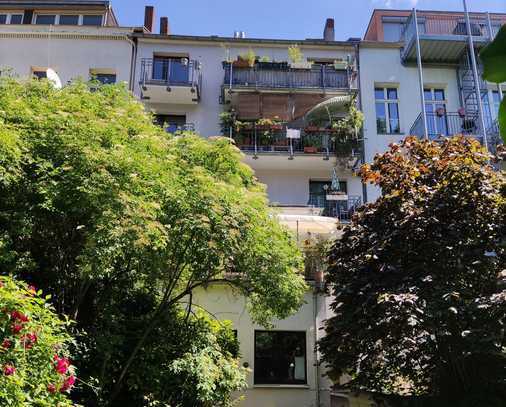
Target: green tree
(34, 365)
(494, 62)
(419, 306)
(121, 222)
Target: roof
(216, 38)
(54, 3)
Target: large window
(69, 19)
(171, 69)
(92, 20)
(11, 18)
(104, 78)
(435, 108)
(280, 357)
(171, 123)
(387, 110)
(45, 19)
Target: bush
(35, 368)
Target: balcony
(342, 209)
(312, 141)
(443, 38)
(452, 124)
(170, 81)
(279, 77)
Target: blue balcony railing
(284, 77)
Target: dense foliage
(34, 365)
(121, 222)
(419, 306)
(494, 62)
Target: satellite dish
(53, 77)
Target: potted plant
(297, 58)
(440, 111)
(462, 112)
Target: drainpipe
(133, 63)
(317, 362)
(475, 75)
(359, 84)
(420, 75)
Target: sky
(285, 19)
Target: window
(92, 20)
(387, 110)
(68, 19)
(392, 31)
(171, 123)
(496, 101)
(45, 19)
(435, 109)
(104, 78)
(3, 18)
(280, 357)
(40, 74)
(171, 69)
(16, 19)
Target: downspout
(359, 84)
(133, 63)
(420, 75)
(317, 362)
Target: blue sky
(292, 19)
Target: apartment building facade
(280, 111)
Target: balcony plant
(297, 60)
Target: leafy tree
(121, 222)
(35, 369)
(419, 306)
(494, 61)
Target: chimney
(149, 14)
(329, 33)
(164, 26)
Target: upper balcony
(280, 77)
(171, 80)
(447, 124)
(443, 37)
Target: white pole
(475, 75)
(420, 75)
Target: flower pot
(340, 65)
(440, 112)
(310, 150)
(311, 129)
(301, 65)
(277, 127)
(462, 112)
(240, 63)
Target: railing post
(476, 77)
(420, 75)
(255, 140)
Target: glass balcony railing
(171, 71)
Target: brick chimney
(164, 26)
(329, 34)
(149, 14)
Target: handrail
(171, 72)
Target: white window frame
(79, 18)
(57, 17)
(385, 101)
(432, 122)
(9, 15)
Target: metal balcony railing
(342, 210)
(171, 72)
(284, 77)
(325, 142)
(446, 125)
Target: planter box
(301, 65)
(340, 65)
(310, 150)
(277, 127)
(311, 129)
(336, 197)
(241, 64)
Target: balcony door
(435, 108)
(172, 70)
(318, 191)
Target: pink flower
(9, 370)
(6, 344)
(16, 328)
(19, 316)
(32, 290)
(28, 340)
(68, 383)
(61, 365)
(51, 388)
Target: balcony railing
(342, 209)
(171, 72)
(323, 142)
(452, 124)
(284, 77)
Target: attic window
(68, 19)
(92, 20)
(45, 19)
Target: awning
(328, 109)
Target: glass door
(435, 108)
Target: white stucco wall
(211, 54)
(382, 67)
(66, 51)
(223, 303)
